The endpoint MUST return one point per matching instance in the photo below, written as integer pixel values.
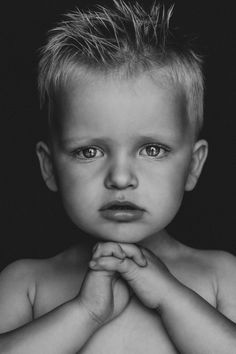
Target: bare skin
(136, 327)
(121, 141)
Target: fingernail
(144, 262)
(92, 263)
(95, 247)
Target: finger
(134, 252)
(108, 249)
(126, 267)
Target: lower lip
(122, 215)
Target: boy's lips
(121, 211)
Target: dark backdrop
(33, 224)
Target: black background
(33, 224)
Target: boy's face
(122, 141)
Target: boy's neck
(161, 244)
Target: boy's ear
(46, 165)
(199, 155)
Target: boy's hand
(143, 271)
(103, 294)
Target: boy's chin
(120, 232)
(124, 236)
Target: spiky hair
(124, 38)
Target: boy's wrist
(171, 293)
(90, 321)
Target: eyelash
(76, 152)
(164, 148)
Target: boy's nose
(121, 176)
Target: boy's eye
(89, 152)
(155, 151)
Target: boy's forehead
(89, 99)
(93, 82)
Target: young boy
(125, 109)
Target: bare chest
(137, 330)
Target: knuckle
(131, 274)
(109, 248)
(113, 249)
(145, 252)
(104, 248)
(135, 248)
(126, 265)
(119, 247)
(109, 245)
(102, 261)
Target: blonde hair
(124, 38)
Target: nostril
(120, 180)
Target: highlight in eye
(87, 153)
(154, 151)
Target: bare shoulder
(225, 270)
(17, 276)
(213, 259)
(21, 275)
(17, 288)
(20, 282)
(222, 267)
(221, 263)
(31, 287)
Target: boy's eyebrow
(165, 138)
(74, 140)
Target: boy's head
(125, 107)
(123, 41)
